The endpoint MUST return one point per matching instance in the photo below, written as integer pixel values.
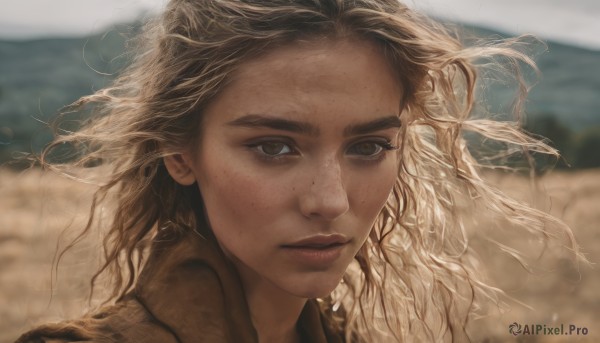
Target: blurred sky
(575, 22)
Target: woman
(289, 171)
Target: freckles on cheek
(244, 194)
(378, 190)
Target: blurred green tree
(588, 149)
(559, 136)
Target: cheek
(236, 198)
(371, 197)
(373, 193)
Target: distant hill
(569, 88)
(38, 77)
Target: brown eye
(274, 148)
(365, 149)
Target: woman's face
(297, 159)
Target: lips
(319, 242)
(317, 252)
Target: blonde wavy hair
(415, 276)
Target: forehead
(320, 62)
(309, 78)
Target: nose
(325, 197)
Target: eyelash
(272, 158)
(384, 145)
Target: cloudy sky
(574, 22)
(43, 18)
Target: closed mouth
(314, 246)
(319, 242)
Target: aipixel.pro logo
(516, 329)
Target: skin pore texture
(300, 145)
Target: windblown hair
(415, 276)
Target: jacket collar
(191, 287)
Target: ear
(179, 167)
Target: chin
(315, 287)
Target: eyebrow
(373, 126)
(262, 121)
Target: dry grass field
(556, 291)
(35, 208)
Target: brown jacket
(188, 292)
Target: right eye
(273, 149)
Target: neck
(274, 312)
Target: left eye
(367, 149)
(273, 148)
